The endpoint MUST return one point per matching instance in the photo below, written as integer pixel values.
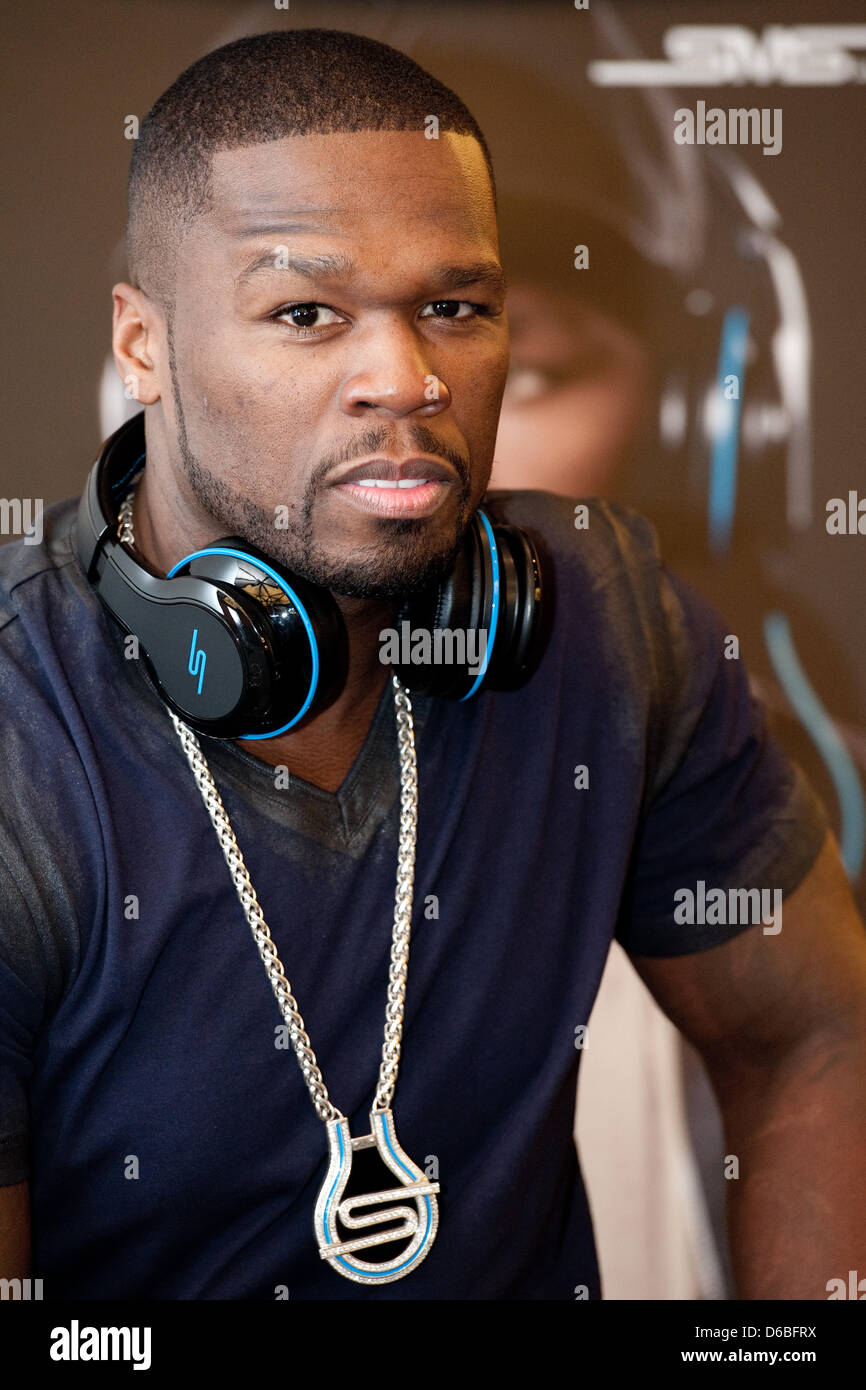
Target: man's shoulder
(22, 561)
(602, 559)
(49, 621)
(595, 538)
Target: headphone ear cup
(455, 605)
(294, 637)
(520, 608)
(491, 604)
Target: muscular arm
(781, 1024)
(15, 1231)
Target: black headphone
(239, 647)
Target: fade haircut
(252, 91)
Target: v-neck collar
(345, 819)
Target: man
(291, 328)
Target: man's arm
(780, 1021)
(15, 1231)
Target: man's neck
(325, 748)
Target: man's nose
(392, 374)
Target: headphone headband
(103, 493)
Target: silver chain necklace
(420, 1218)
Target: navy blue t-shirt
(170, 1143)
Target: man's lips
(420, 466)
(413, 487)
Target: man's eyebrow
(311, 266)
(322, 267)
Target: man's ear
(138, 341)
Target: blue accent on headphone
(494, 610)
(726, 437)
(196, 668)
(121, 482)
(824, 735)
(314, 648)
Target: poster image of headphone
(239, 647)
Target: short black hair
(258, 89)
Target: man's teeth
(391, 482)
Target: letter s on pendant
(420, 1219)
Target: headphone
(241, 648)
(734, 410)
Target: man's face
(575, 396)
(289, 420)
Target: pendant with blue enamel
(418, 1211)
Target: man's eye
(447, 308)
(308, 319)
(305, 317)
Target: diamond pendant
(420, 1217)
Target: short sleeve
(725, 808)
